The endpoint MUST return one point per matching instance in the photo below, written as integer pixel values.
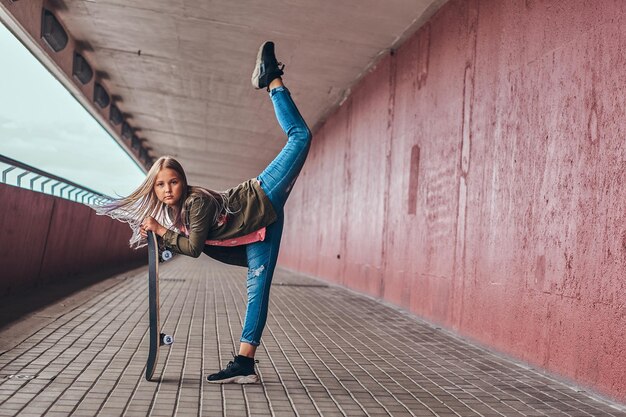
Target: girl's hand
(149, 223)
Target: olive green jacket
(251, 211)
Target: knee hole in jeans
(256, 272)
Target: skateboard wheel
(166, 339)
(166, 255)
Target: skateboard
(157, 339)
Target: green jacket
(252, 210)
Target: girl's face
(168, 186)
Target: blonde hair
(143, 202)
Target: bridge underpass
(466, 167)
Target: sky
(42, 125)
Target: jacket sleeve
(201, 215)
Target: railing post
(5, 172)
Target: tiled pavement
(326, 351)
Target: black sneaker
(267, 68)
(239, 371)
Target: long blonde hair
(143, 202)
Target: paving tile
(318, 357)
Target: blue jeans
(276, 180)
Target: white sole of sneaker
(247, 379)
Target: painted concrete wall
(47, 239)
(474, 179)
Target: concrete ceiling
(181, 68)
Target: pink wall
(48, 239)
(474, 178)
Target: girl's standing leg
(262, 257)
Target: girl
(242, 226)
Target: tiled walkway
(326, 352)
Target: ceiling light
(100, 96)
(115, 115)
(143, 155)
(135, 143)
(127, 131)
(52, 32)
(81, 69)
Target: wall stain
(423, 55)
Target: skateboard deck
(157, 339)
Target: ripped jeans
(276, 180)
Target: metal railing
(25, 176)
